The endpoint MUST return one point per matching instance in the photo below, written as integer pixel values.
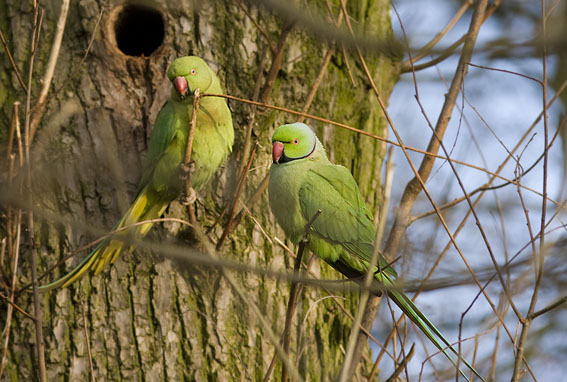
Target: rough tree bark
(148, 319)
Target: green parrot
(303, 181)
(161, 180)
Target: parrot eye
(193, 71)
(295, 141)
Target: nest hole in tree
(139, 30)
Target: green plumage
(161, 181)
(302, 181)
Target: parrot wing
(344, 218)
(165, 127)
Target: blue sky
(508, 104)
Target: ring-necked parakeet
(161, 180)
(303, 181)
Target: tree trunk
(147, 318)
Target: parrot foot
(190, 198)
(186, 169)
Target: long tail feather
(75, 274)
(435, 336)
(108, 251)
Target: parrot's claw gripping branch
(188, 199)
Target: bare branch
(257, 25)
(50, 69)
(401, 367)
(276, 61)
(295, 291)
(406, 65)
(38, 313)
(228, 228)
(14, 66)
(77, 67)
(539, 256)
(409, 66)
(188, 167)
(87, 339)
(548, 308)
(252, 115)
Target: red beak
(277, 151)
(180, 84)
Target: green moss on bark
(149, 319)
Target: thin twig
(494, 357)
(37, 111)
(3, 256)
(78, 66)
(441, 57)
(187, 166)
(302, 343)
(506, 71)
(538, 256)
(257, 25)
(252, 199)
(347, 64)
(323, 70)
(380, 219)
(294, 291)
(318, 81)
(14, 119)
(248, 138)
(16, 306)
(406, 66)
(9, 309)
(252, 115)
(38, 313)
(87, 339)
(14, 66)
(548, 308)
(410, 67)
(239, 189)
(14, 131)
(401, 367)
(276, 61)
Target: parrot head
(187, 74)
(292, 142)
